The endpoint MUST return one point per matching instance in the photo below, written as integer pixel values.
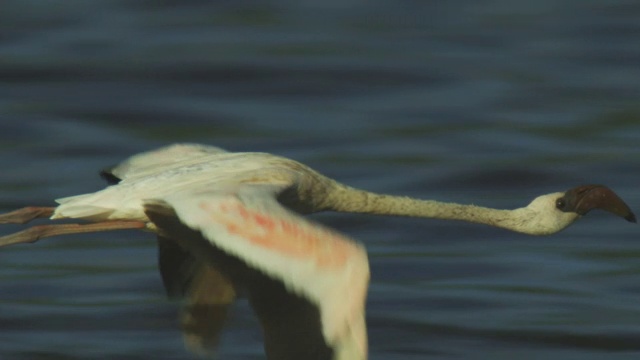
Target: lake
(491, 103)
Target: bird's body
(229, 222)
(219, 171)
(250, 195)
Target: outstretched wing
(157, 161)
(205, 292)
(328, 272)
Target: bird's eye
(560, 203)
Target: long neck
(346, 199)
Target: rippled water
(491, 102)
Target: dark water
(486, 102)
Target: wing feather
(327, 268)
(160, 160)
(206, 292)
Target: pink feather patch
(281, 233)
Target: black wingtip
(107, 175)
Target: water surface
(490, 103)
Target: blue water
(485, 102)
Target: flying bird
(230, 224)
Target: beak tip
(631, 218)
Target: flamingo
(230, 223)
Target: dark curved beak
(585, 198)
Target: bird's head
(582, 199)
(556, 211)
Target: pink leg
(24, 215)
(35, 233)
